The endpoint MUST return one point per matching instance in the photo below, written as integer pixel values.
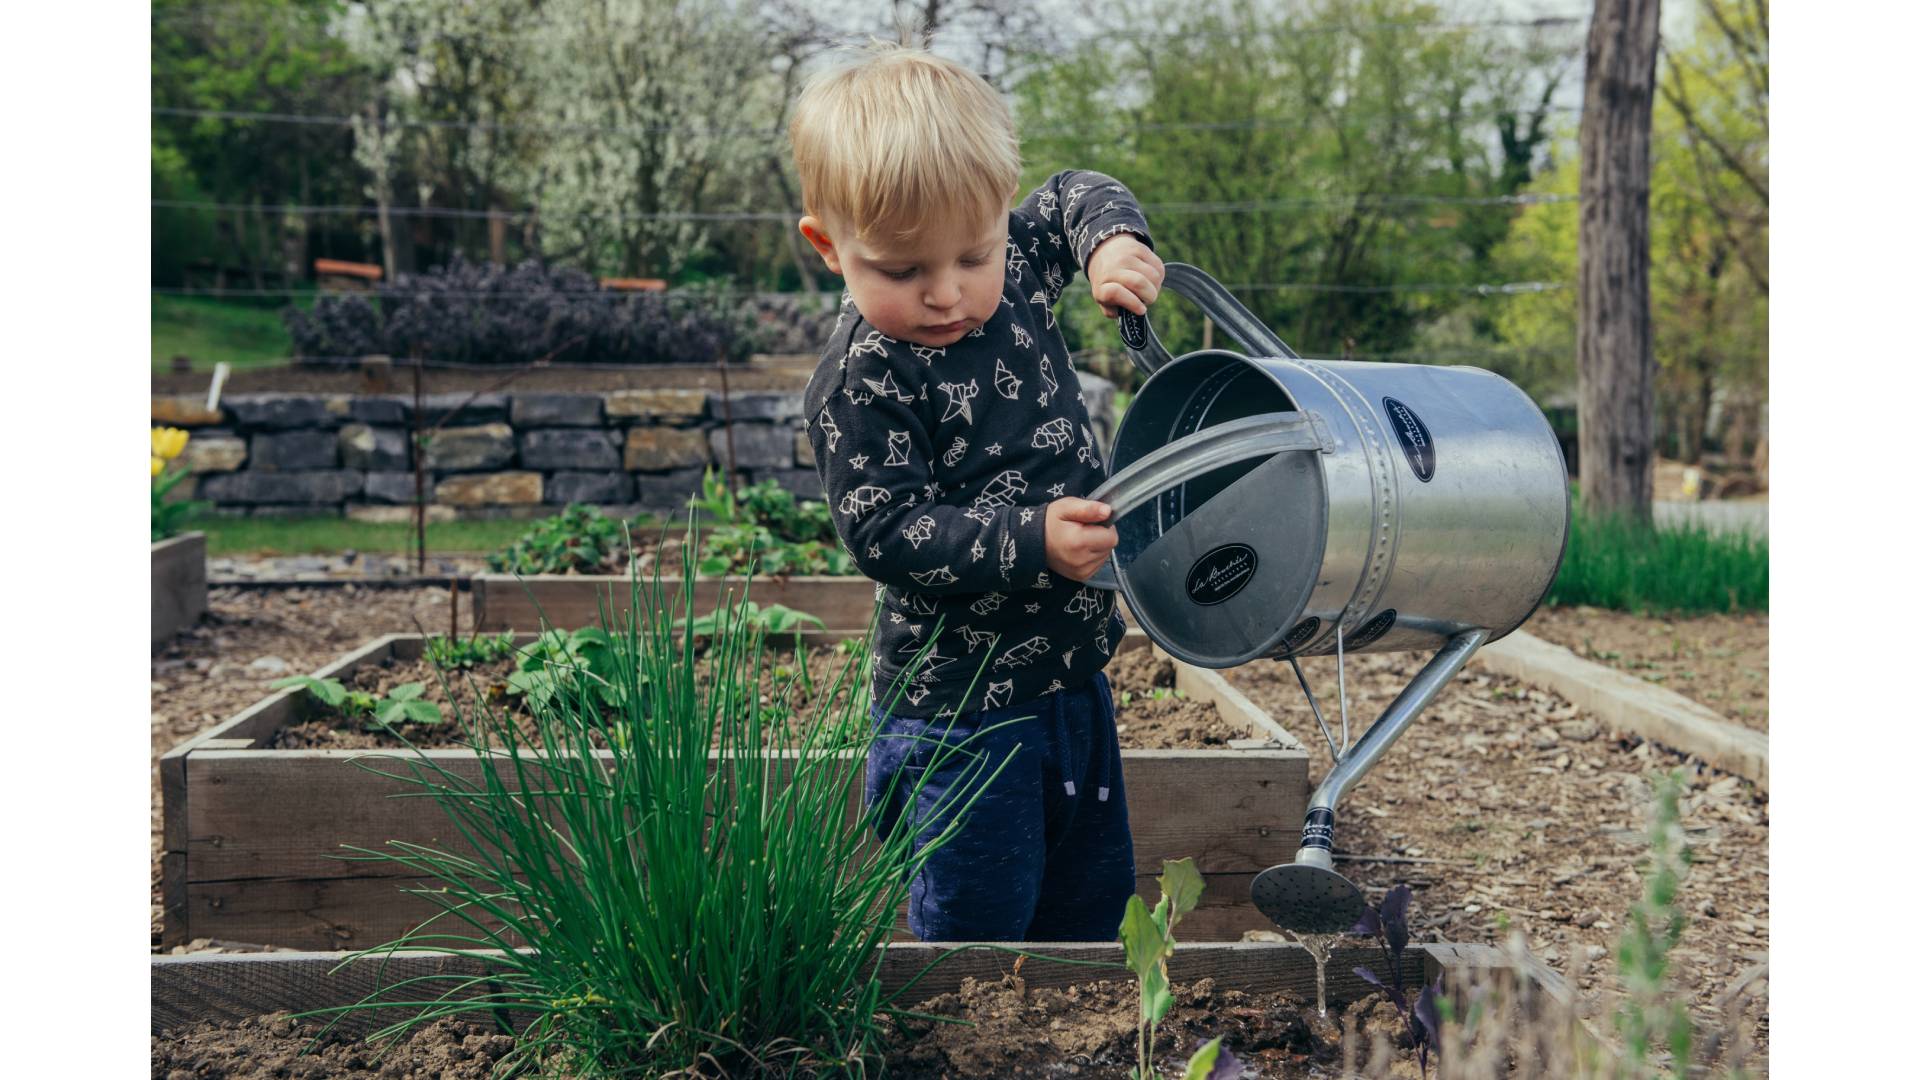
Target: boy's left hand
(1125, 273)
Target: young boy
(953, 442)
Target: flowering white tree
(653, 109)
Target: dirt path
(1719, 661)
(1504, 806)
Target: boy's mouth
(948, 328)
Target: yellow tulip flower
(157, 466)
(168, 442)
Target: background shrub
(484, 313)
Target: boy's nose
(943, 294)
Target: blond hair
(901, 138)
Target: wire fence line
(1193, 209)
(469, 124)
(1501, 288)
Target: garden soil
(1719, 661)
(1145, 721)
(1083, 1031)
(1506, 807)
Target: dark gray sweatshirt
(939, 463)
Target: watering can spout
(1308, 895)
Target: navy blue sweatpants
(1044, 853)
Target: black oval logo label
(1220, 573)
(1375, 629)
(1302, 632)
(1133, 330)
(1415, 439)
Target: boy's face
(931, 291)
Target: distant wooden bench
(634, 284)
(338, 275)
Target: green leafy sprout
(1147, 937)
(402, 704)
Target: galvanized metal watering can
(1275, 507)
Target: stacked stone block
(500, 455)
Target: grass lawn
(209, 330)
(326, 535)
(1631, 567)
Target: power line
(342, 120)
(1505, 288)
(1172, 208)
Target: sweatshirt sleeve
(1055, 229)
(872, 451)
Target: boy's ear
(815, 231)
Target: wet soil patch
(1010, 1030)
(278, 1046)
(1089, 1030)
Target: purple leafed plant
(483, 313)
(1388, 924)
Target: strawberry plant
(402, 704)
(765, 529)
(577, 540)
(446, 653)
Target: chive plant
(667, 892)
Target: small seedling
(1388, 924)
(402, 703)
(446, 653)
(1148, 938)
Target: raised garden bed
(1049, 1017)
(179, 584)
(252, 835)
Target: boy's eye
(972, 262)
(897, 275)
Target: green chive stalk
(656, 889)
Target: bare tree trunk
(497, 237)
(1614, 351)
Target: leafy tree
(1306, 124)
(278, 56)
(1708, 231)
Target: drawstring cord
(1060, 738)
(1108, 748)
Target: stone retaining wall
(503, 455)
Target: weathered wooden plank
(505, 602)
(255, 724)
(179, 584)
(1228, 810)
(1630, 704)
(173, 898)
(230, 987)
(362, 912)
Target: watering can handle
(1202, 452)
(1187, 280)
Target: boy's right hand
(1077, 539)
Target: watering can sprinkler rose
(1273, 507)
